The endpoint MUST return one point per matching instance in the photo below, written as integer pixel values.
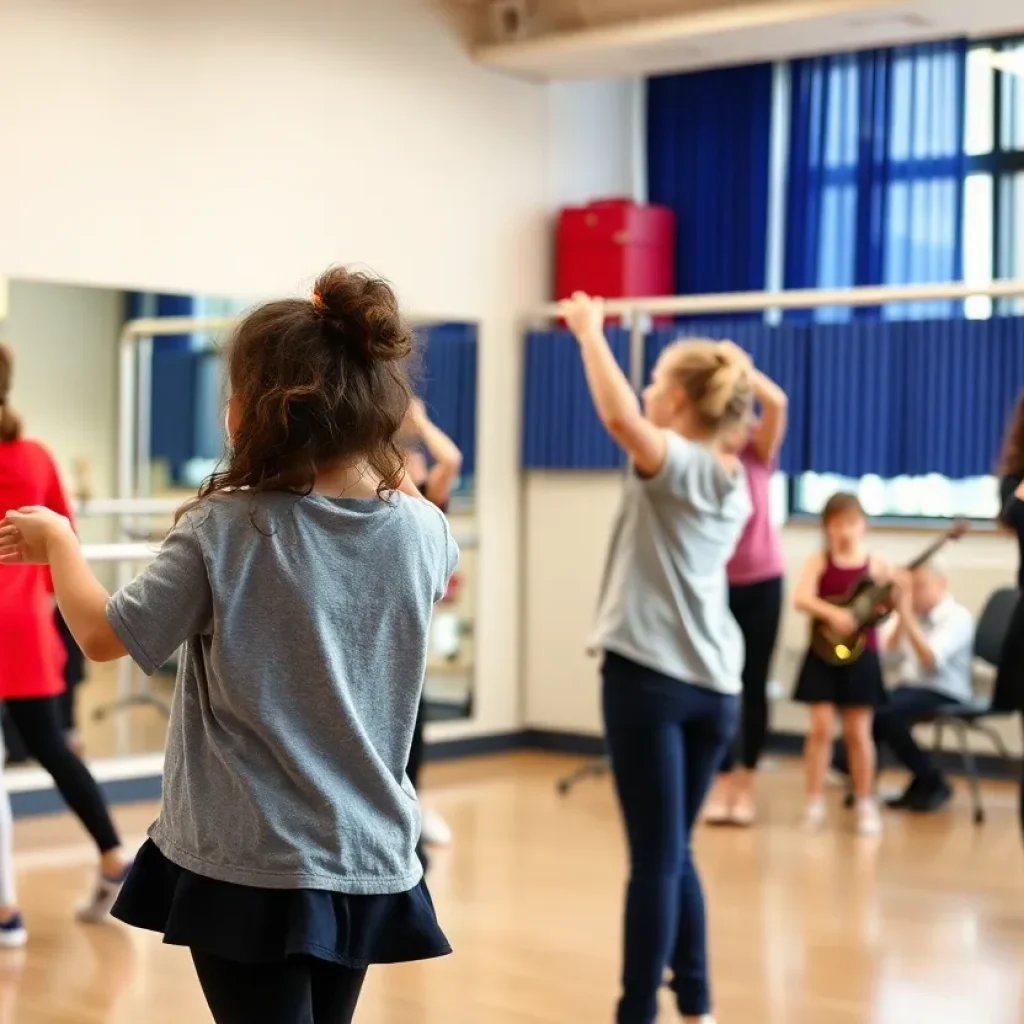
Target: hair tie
(318, 303)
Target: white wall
(594, 141)
(65, 382)
(233, 147)
(567, 525)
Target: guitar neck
(929, 552)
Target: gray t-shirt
(664, 597)
(304, 622)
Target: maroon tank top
(837, 580)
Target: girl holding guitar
(827, 684)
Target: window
(993, 248)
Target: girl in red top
(32, 657)
(854, 688)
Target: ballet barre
(131, 554)
(94, 507)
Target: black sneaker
(932, 798)
(906, 799)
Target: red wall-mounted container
(617, 249)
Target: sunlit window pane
(980, 97)
(905, 497)
(977, 242)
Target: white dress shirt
(949, 631)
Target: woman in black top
(1009, 691)
(433, 462)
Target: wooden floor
(927, 925)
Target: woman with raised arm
(672, 651)
(755, 597)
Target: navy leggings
(665, 739)
(298, 991)
(757, 608)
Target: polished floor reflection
(928, 925)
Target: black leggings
(37, 720)
(302, 990)
(757, 607)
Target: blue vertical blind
(876, 172)
(448, 387)
(892, 398)
(561, 430)
(708, 143)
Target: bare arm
(39, 536)
(771, 430)
(614, 399)
(82, 600)
(805, 597)
(445, 453)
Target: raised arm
(614, 398)
(770, 432)
(443, 451)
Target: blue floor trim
(147, 788)
(122, 791)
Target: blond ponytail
(10, 422)
(716, 378)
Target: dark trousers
(665, 740)
(298, 991)
(37, 720)
(757, 608)
(894, 722)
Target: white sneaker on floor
(101, 902)
(815, 815)
(12, 933)
(869, 818)
(434, 830)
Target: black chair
(989, 638)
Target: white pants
(8, 893)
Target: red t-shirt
(31, 652)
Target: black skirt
(1008, 694)
(856, 685)
(251, 925)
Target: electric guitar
(869, 602)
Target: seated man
(932, 636)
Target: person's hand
(26, 535)
(842, 622)
(583, 314)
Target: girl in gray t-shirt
(673, 653)
(299, 586)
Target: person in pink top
(755, 599)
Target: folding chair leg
(595, 769)
(940, 735)
(996, 740)
(970, 770)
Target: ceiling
(558, 39)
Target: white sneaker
(815, 815)
(434, 829)
(99, 905)
(869, 818)
(12, 933)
